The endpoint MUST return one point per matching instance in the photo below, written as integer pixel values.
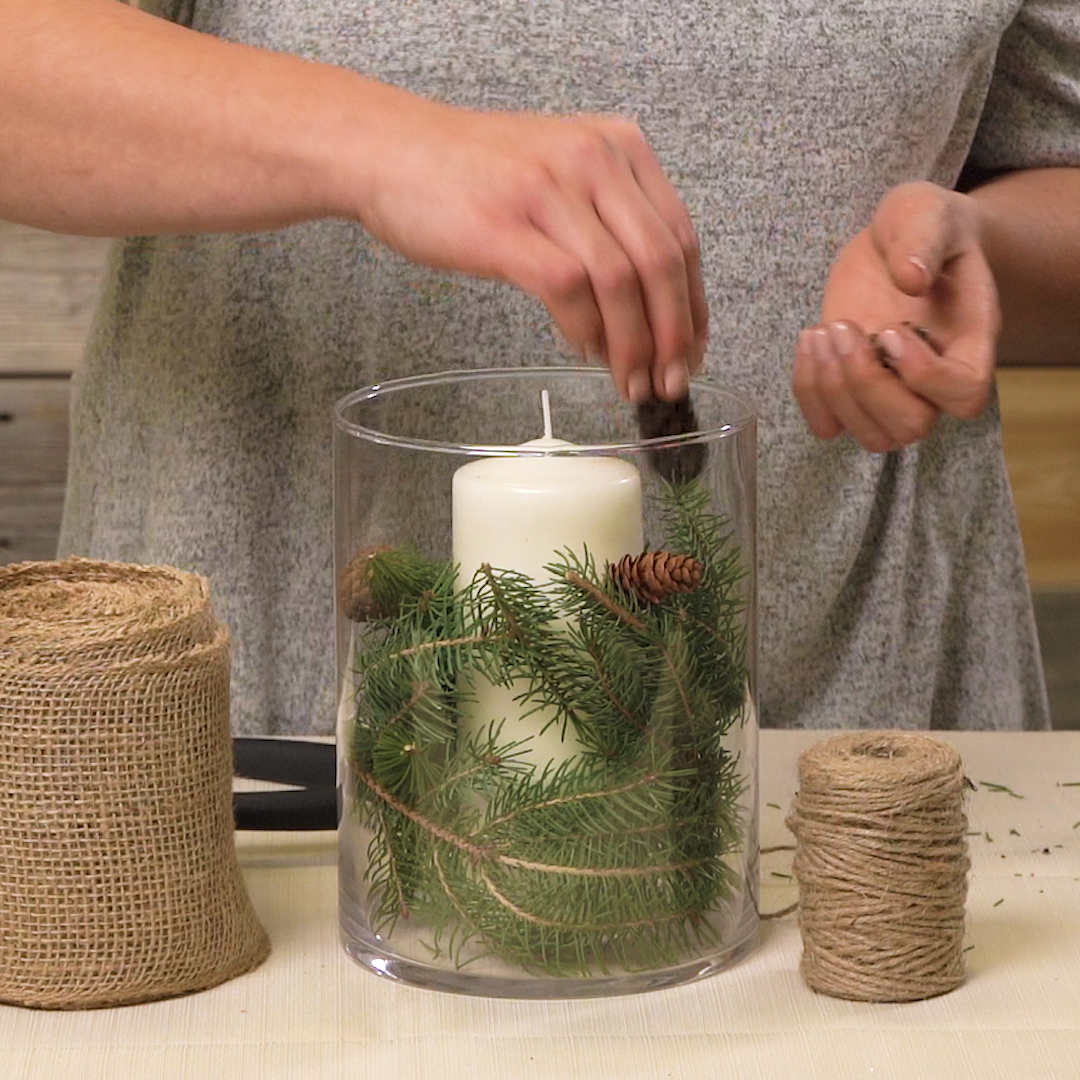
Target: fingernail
(921, 266)
(676, 381)
(843, 338)
(639, 387)
(822, 346)
(892, 343)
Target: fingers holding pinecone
(681, 462)
(653, 576)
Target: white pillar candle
(520, 513)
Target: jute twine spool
(881, 861)
(118, 874)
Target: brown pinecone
(354, 586)
(676, 464)
(655, 575)
(884, 358)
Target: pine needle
(1001, 788)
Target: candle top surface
(543, 473)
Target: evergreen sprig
(614, 858)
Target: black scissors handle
(309, 766)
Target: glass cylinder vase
(546, 664)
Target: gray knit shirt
(892, 587)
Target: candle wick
(545, 404)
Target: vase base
(374, 956)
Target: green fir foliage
(401, 577)
(614, 858)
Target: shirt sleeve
(1031, 118)
(177, 11)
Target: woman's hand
(576, 211)
(111, 123)
(865, 369)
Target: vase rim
(744, 410)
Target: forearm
(1030, 230)
(113, 122)
(116, 123)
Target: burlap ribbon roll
(881, 860)
(119, 881)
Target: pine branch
(402, 580)
(452, 643)
(383, 860)
(534, 805)
(658, 640)
(616, 609)
(599, 872)
(537, 649)
(615, 857)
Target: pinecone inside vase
(653, 576)
(354, 586)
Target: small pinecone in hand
(884, 358)
(655, 575)
(656, 419)
(354, 586)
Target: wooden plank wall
(1041, 426)
(48, 286)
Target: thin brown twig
(480, 852)
(421, 689)
(600, 872)
(462, 914)
(601, 597)
(452, 838)
(425, 646)
(565, 800)
(395, 876)
(710, 630)
(508, 614)
(632, 620)
(780, 913)
(506, 902)
(605, 682)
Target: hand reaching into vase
(111, 123)
(576, 211)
